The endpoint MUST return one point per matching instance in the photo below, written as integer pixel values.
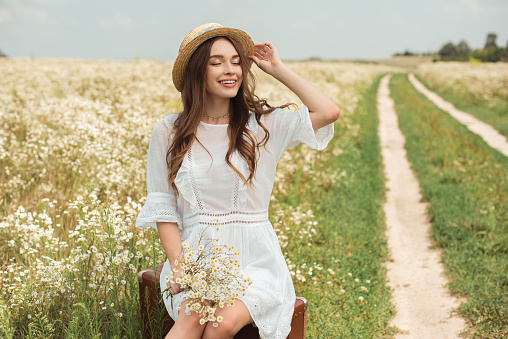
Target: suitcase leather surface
(156, 321)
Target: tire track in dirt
(488, 133)
(423, 305)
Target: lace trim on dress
(158, 207)
(226, 218)
(268, 328)
(186, 184)
(240, 188)
(314, 139)
(235, 192)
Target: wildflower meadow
(74, 136)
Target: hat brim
(180, 64)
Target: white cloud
(26, 11)
(5, 15)
(33, 13)
(118, 19)
(472, 6)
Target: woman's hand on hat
(266, 57)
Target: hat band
(206, 30)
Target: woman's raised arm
(322, 109)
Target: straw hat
(199, 35)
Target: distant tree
(491, 41)
(462, 51)
(2, 54)
(488, 55)
(448, 51)
(405, 53)
(463, 48)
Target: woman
(216, 160)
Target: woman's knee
(186, 326)
(225, 329)
(189, 319)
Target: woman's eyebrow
(219, 56)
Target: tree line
(491, 52)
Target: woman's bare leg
(235, 318)
(186, 326)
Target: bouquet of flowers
(211, 277)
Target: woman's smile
(228, 83)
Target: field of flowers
(73, 141)
(482, 81)
(479, 89)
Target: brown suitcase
(156, 322)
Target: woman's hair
(193, 98)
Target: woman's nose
(228, 68)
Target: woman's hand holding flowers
(174, 287)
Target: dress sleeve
(160, 204)
(288, 129)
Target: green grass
(466, 184)
(350, 232)
(495, 114)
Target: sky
(328, 29)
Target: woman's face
(224, 72)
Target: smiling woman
(215, 162)
(223, 79)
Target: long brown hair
(194, 98)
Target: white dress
(211, 190)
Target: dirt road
(424, 305)
(488, 133)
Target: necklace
(215, 118)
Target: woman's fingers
(255, 59)
(264, 45)
(174, 288)
(264, 48)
